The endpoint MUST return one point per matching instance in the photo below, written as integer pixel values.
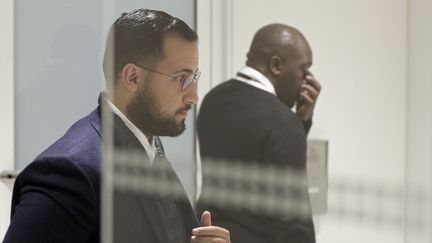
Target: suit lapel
(189, 217)
(125, 140)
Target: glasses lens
(187, 81)
(191, 79)
(197, 76)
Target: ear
(275, 65)
(129, 77)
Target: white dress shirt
(256, 79)
(142, 138)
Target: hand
(209, 233)
(308, 96)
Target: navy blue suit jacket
(57, 197)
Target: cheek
(299, 75)
(298, 79)
(170, 103)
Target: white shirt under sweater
(142, 138)
(257, 80)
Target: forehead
(303, 53)
(179, 53)
(308, 52)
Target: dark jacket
(57, 198)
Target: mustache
(185, 108)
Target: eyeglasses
(185, 81)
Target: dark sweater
(243, 123)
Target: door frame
(6, 110)
(214, 26)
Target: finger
(211, 231)
(311, 80)
(300, 99)
(308, 72)
(206, 219)
(218, 240)
(204, 239)
(307, 99)
(311, 91)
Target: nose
(191, 95)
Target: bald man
(250, 119)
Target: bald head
(274, 40)
(282, 54)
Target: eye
(182, 78)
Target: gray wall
(58, 76)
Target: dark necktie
(160, 152)
(170, 212)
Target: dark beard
(144, 113)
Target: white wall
(419, 126)
(360, 57)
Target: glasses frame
(185, 82)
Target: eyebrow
(307, 65)
(187, 70)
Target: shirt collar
(257, 79)
(142, 138)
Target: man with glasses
(151, 70)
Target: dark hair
(138, 37)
